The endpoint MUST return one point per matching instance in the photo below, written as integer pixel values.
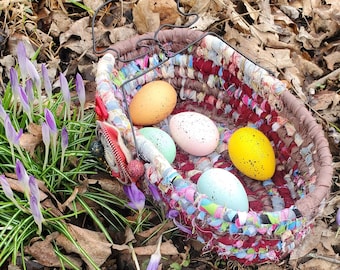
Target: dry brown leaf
(324, 100)
(167, 249)
(316, 240)
(31, 139)
(309, 6)
(81, 30)
(319, 264)
(93, 4)
(204, 21)
(43, 252)
(306, 67)
(60, 23)
(94, 243)
(149, 15)
(332, 59)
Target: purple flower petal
(29, 91)
(2, 112)
(13, 76)
(33, 187)
(46, 79)
(64, 138)
(338, 217)
(22, 56)
(50, 121)
(155, 257)
(22, 175)
(12, 136)
(24, 101)
(36, 211)
(6, 187)
(154, 192)
(136, 197)
(80, 89)
(32, 71)
(46, 137)
(65, 90)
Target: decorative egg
(152, 103)
(194, 133)
(162, 140)
(223, 188)
(251, 153)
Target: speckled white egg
(162, 140)
(194, 133)
(223, 188)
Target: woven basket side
(309, 205)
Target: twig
(322, 80)
(328, 259)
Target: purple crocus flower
(154, 192)
(6, 188)
(2, 112)
(64, 138)
(45, 131)
(13, 76)
(80, 90)
(65, 90)
(136, 197)
(173, 214)
(22, 56)
(25, 103)
(50, 121)
(29, 91)
(22, 175)
(32, 71)
(34, 200)
(12, 136)
(155, 257)
(46, 80)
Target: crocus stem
(134, 257)
(12, 152)
(47, 150)
(62, 160)
(54, 146)
(22, 156)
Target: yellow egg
(251, 153)
(153, 103)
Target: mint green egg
(162, 140)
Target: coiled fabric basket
(214, 79)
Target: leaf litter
(298, 41)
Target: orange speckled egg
(153, 103)
(251, 153)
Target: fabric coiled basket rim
(308, 206)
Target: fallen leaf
(149, 15)
(60, 23)
(316, 240)
(43, 252)
(31, 139)
(78, 37)
(93, 243)
(324, 100)
(93, 4)
(332, 59)
(167, 249)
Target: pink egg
(194, 133)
